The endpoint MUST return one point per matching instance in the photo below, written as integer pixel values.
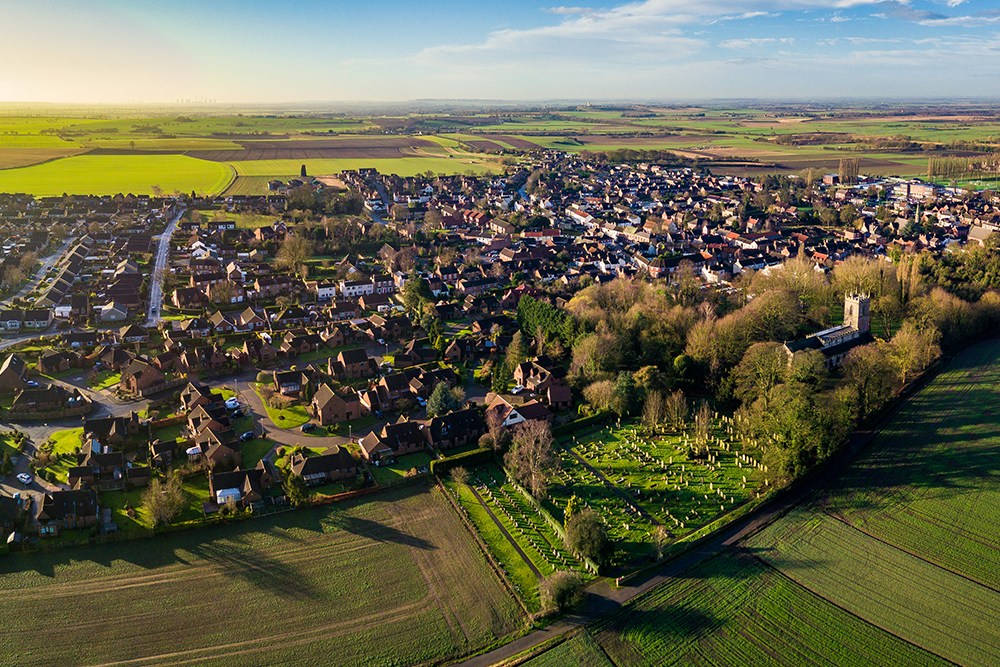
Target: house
(111, 430)
(56, 361)
(293, 316)
(138, 377)
(511, 412)
(290, 383)
(194, 395)
(67, 510)
(50, 398)
(353, 364)
(13, 374)
(189, 297)
(133, 333)
(259, 351)
(82, 339)
(455, 429)
(242, 487)
(415, 353)
(249, 320)
(333, 464)
(403, 437)
(113, 312)
(329, 407)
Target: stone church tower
(856, 312)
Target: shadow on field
(378, 532)
(257, 569)
(639, 629)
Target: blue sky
(666, 50)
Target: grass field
(392, 580)
(109, 174)
(733, 610)
(290, 417)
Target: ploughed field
(389, 580)
(896, 562)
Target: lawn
(393, 474)
(104, 174)
(65, 444)
(106, 380)
(391, 580)
(168, 433)
(254, 450)
(285, 418)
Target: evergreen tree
(440, 402)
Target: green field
(392, 580)
(110, 174)
(404, 166)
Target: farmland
(110, 174)
(370, 582)
(893, 562)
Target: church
(835, 343)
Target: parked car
(422, 402)
(24, 478)
(232, 403)
(32, 383)
(518, 389)
(308, 426)
(247, 436)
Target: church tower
(856, 312)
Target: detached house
(333, 464)
(329, 407)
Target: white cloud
(751, 42)
(569, 10)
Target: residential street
(159, 268)
(47, 263)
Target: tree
(295, 488)
(869, 373)
(12, 276)
(763, 367)
(517, 351)
(913, 349)
(561, 591)
(501, 378)
(400, 212)
(58, 231)
(601, 395)
(163, 500)
(294, 251)
(572, 507)
(652, 411)
(625, 393)
(587, 535)
(441, 401)
(702, 423)
(459, 475)
(675, 410)
(531, 458)
(416, 292)
(660, 539)
(28, 261)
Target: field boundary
(483, 548)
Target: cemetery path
(506, 534)
(624, 496)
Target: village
(166, 334)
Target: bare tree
(702, 422)
(675, 410)
(531, 458)
(652, 411)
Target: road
(159, 270)
(47, 263)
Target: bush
(561, 591)
(264, 376)
(586, 534)
(476, 456)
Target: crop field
(909, 537)
(581, 651)
(403, 166)
(104, 174)
(733, 610)
(392, 580)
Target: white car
(24, 478)
(232, 403)
(518, 389)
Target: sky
(250, 51)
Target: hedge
(574, 426)
(475, 457)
